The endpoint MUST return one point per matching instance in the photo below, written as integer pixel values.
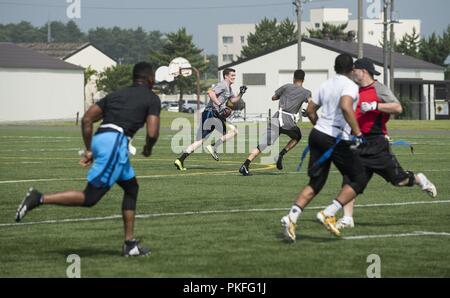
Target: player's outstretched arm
(153, 123)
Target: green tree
(268, 35)
(128, 46)
(180, 44)
(329, 31)
(409, 44)
(21, 32)
(88, 73)
(115, 78)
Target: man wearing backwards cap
(376, 104)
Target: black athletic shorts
(377, 157)
(346, 160)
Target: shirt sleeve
(102, 103)
(350, 89)
(280, 90)
(316, 98)
(155, 106)
(385, 94)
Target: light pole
(298, 10)
(385, 42)
(360, 30)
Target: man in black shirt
(123, 113)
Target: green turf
(235, 242)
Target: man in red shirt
(376, 104)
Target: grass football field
(212, 222)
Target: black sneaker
(133, 249)
(244, 170)
(31, 201)
(280, 162)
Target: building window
(242, 39)
(317, 25)
(227, 58)
(227, 39)
(254, 79)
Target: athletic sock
(332, 209)
(183, 156)
(294, 213)
(216, 144)
(283, 152)
(247, 162)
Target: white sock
(422, 180)
(294, 213)
(332, 209)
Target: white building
(232, 37)
(265, 73)
(81, 54)
(34, 86)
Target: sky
(201, 17)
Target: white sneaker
(345, 222)
(288, 229)
(213, 152)
(427, 186)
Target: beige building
(81, 54)
(34, 86)
(263, 74)
(232, 37)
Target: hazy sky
(201, 17)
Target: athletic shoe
(213, 152)
(244, 170)
(179, 164)
(31, 201)
(288, 229)
(133, 249)
(329, 222)
(427, 186)
(345, 222)
(280, 162)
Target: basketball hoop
(179, 66)
(162, 74)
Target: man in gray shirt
(291, 97)
(214, 117)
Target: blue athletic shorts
(210, 123)
(111, 162)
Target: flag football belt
(131, 149)
(327, 154)
(280, 116)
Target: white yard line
(207, 212)
(413, 234)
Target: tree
(409, 44)
(115, 78)
(268, 35)
(128, 46)
(180, 44)
(329, 31)
(88, 73)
